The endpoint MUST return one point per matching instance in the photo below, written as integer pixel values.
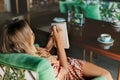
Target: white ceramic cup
(105, 37)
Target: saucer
(108, 42)
(115, 25)
(117, 29)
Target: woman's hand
(57, 35)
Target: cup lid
(57, 19)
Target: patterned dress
(74, 66)
(74, 69)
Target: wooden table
(86, 37)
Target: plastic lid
(56, 19)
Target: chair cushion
(39, 65)
(91, 10)
(66, 5)
(62, 7)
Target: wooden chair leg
(31, 75)
(91, 55)
(118, 74)
(84, 54)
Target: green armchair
(21, 63)
(90, 10)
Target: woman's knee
(105, 72)
(90, 69)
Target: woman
(17, 36)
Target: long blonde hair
(15, 37)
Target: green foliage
(110, 11)
(13, 74)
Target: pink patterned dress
(74, 66)
(74, 69)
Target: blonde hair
(15, 37)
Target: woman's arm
(49, 45)
(44, 52)
(60, 49)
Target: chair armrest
(99, 78)
(40, 66)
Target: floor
(74, 51)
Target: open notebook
(64, 33)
